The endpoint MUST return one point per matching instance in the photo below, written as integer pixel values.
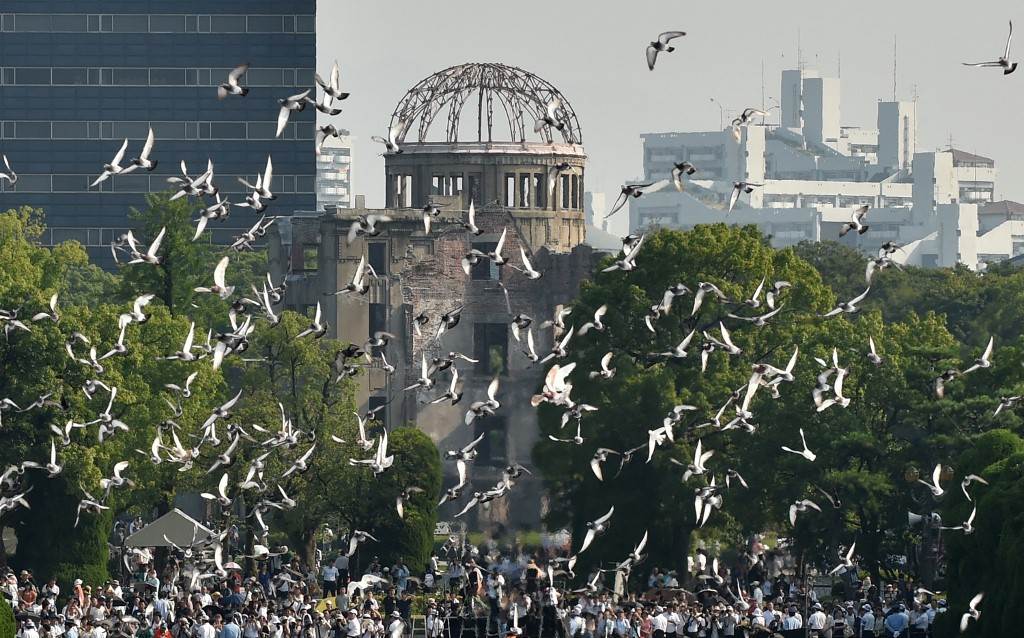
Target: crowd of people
(476, 595)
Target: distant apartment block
(813, 172)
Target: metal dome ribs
(522, 96)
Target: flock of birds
(204, 557)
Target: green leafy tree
(990, 559)
(36, 364)
(869, 454)
(7, 624)
(185, 264)
(644, 390)
(298, 376)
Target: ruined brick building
(514, 186)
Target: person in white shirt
(791, 621)
(770, 615)
(28, 630)
(352, 626)
(920, 619)
(758, 594)
(576, 624)
(696, 624)
(659, 623)
(204, 630)
(330, 573)
(672, 621)
(341, 562)
(757, 618)
(817, 621)
(434, 623)
(867, 622)
(728, 621)
(396, 627)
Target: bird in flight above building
(661, 45)
(332, 88)
(1003, 62)
(856, 222)
(628, 190)
(395, 132)
(10, 175)
(232, 87)
(291, 103)
(740, 187)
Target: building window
(378, 320)
(377, 256)
(33, 75)
(310, 258)
(524, 190)
(575, 181)
(167, 24)
(490, 348)
(475, 192)
(402, 191)
(510, 190)
(435, 184)
(493, 448)
(375, 402)
(565, 191)
(456, 184)
(540, 190)
(485, 270)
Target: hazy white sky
(593, 51)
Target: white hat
(78, 581)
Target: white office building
(334, 173)
(813, 172)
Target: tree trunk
(306, 546)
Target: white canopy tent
(176, 526)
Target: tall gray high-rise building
(334, 173)
(80, 76)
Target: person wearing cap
(395, 625)
(920, 620)
(576, 625)
(98, 629)
(204, 629)
(866, 622)
(28, 630)
(352, 626)
(434, 623)
(791, 621)
(898, 622)
(757, 593)
(817, 622)
(71, 628)
(659, 623)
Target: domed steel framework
(520, 94)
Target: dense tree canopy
(869, 454)
(279, 377)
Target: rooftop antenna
(762, 85)
(799, 53)
(894, 67)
